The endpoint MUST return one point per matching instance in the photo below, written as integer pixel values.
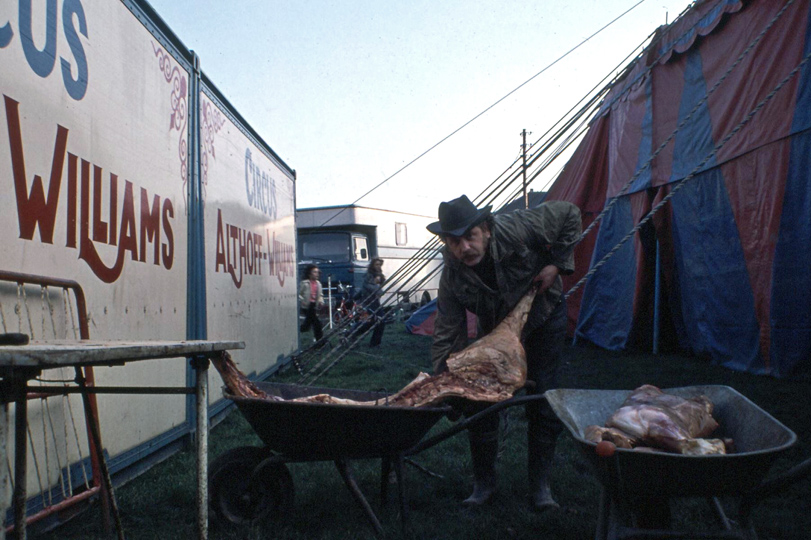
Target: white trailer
(343, 239)
(124, 169)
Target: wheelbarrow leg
(613, 514)
(603, 516)
(718, 511)
(398, 461)
(612, 519)
(349, 480)
(398, 471)
(385, 472)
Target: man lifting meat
(490, 263)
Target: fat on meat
(491, 369)
(651, 418)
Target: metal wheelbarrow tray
(319, 431)
(634, 477)
(251, 483)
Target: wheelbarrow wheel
(241, 497)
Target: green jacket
(521, 244)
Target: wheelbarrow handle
(773, 486)
(467, 422)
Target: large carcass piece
(651, 418)
(491, 369)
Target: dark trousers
(311, 320)
(377, 333)
(375, 324)
(380, 326)
(544, 347)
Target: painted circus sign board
(101, 177)
(93, 173)
(94, 161)
(250, 237)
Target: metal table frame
(21, 363)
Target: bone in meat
(614, 435)
(491, 370)
(649, 417)
(236, 381)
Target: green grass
(161, 502)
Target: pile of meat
(651, 420)
(491, 369)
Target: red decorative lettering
(150, 224)
(128, 239)
(219, 259)
(73, 164)
(113, 208)
(99, 226)
(33, 208)
(238, 252)
(168, 248)
(280, 258)
(87, 251)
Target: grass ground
(161, 503)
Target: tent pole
(656, 300)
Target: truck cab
(343, 257)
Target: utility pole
(524, 156)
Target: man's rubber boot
(539, 464)
(483, 452)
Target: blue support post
(195, 288)
(197, 371)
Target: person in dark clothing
(311, 298)
(490, 263)
(372, 292)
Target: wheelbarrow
(251, 483)
(637, 486)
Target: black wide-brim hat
(456, 217)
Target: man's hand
(546, 277)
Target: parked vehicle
(342, 240)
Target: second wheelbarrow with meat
(249, 483)
(638, 485)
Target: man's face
(471, 247)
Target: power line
(460, 128)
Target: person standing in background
(311, 298)
(372, 292)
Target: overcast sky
(348, 92)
